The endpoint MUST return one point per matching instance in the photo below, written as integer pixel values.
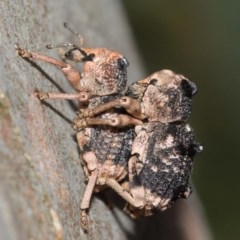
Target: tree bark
(41, 179)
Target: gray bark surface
(41, 179)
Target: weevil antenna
(51, 46)
(74, 33)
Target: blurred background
(200, 39)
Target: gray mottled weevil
(105, 150)
(160, 167)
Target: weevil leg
(83, 138)
(81, 97)
(92, 112)
(69, 71)
(132, 106)
(112, 183)
(87, 198)
(136, 187)
(120, 120)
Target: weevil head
(167, 96)
(104, 72)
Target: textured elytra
(111, 147)
(166, 165)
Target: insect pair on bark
(133, 139)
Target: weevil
(105, 150)
(161, 161)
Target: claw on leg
(84, 220)
(22, 52)
(41, 95)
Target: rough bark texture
(41, 179)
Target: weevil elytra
(159, 169)
(105, 150)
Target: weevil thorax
(104, 72)
(167, 96)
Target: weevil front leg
(69, 71)
(120, 120)
(132, 106)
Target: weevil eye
(189, 87)
(153, 81)
(122, 63)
